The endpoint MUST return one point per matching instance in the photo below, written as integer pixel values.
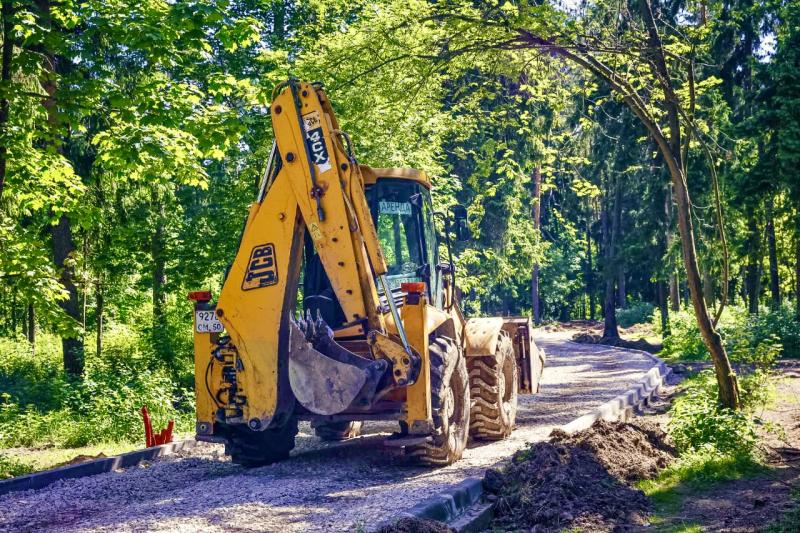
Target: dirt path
(323, 487)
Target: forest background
(133, 136)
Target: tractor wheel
(256, 448)
(334, 431)
(450, 405)
(493, 385)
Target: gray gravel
(323, 487)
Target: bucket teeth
(317, 332)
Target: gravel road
(324, 486)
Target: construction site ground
(756, 499)
(324, 486)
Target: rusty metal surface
(321, 384)
(482, 335)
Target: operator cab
(400, 202)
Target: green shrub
(635, 313)
(756, 381)
(10, 467)
(738, 329)
(777, 326)
(42, 406)
(698, 423)
(684, 341)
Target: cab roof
(372, 175)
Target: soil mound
(629, 452)
(416, 525)
(641, 344)
(579, 480)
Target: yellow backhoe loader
(339, 309)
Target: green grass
(693, 474)
(12, 467)
(790, 523)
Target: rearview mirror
(460, 225)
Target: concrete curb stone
(38, 480)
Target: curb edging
(38, 480)
(463, 507)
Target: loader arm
(318, 188)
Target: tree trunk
(63, 245)
(663, 309)
(590, 268)
(14, 312)
(99, 311)
(617, 239)
(753, 259)
(537, 226)
(610, 330)
(158, 246)
(774, 279)
(6, 55)
(797, 276)
(25, 322)
(31, 329)
(63, 248)
(671, 150)
(674, 293)
(708, 287)
(726, 377)
(674, 290)
(669, 141)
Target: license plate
(206, 322)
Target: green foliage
(635, 313)
(693, 474)
(741, 334)
(11, 467)
(699, 471)
(780, 326)
(44, 407)
(697, 422)
(684, 341)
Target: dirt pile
(641, 344)
(580, 480)
(415, 525)
(629, 452)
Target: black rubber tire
(336, 431)
(450, 405)
(257, 448)
(494, 381)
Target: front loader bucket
(328, 383)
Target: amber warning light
(200, 296)
(414, 287)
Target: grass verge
(789, 523)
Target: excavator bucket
(325, 377)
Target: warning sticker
(315, 232)
(394, 208)
(312, 121)
(315, 140)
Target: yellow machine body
(314, 196)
